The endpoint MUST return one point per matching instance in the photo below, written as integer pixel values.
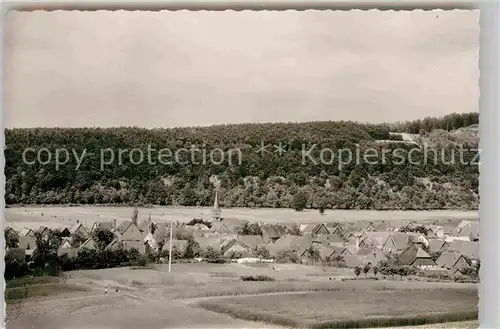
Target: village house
(252, 241)
(129, 235)
(400, 241)
(79, 229)
(371, 254)
(89, 244)
(470, 230)
(333, 239)
(416, 256)
(43, 231)
(293, 243)
(362, 226)
(435, 231)
(103, 225)
(146, 226)
(307, 229)
(220, 228)
(67, 249)
(373, 239)
(320, 229)
(336, 228)
(437, 245)
(450, 231)
(383, 227)
(453, 261)
(469, 249)
(10, 230)
(155, 238)
(27, 240)
(325, 254)
(271, 233)
(236, 246)
(214, 242)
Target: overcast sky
(164, 69)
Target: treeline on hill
(448, 122)
(269, 180)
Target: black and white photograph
(241, 169)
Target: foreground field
(54, 217)
(345, 308)
(153, 298)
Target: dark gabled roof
(123, 227)
(273, 231)
(290, 242)
(145, 225)
(75, 227)
(448, 259)
(377, 238)
(412, 253)
(42, 229)
(231, 243)
(383, 227)
(252, 241)
(318, 227)
(437, 244)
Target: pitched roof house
(371, 254)
(220, 228)
(89, 244)
(272, 232)
(27, 232)
(436, 245)
(374, 239)
(67, 249)
(252, 241)
(467, 248)
(320, 229)
(236, 246)
(416, 256)
(471, 230)
(102, 225)
(383, 227)
(79, 229)
(399, 241)
(363, 225)
(11, 230)
(453, 260)
(43, 230)
(27, 242)
(289, 242)
(127, 230)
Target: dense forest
(252, 179)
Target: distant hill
(269, 180)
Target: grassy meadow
(59, 216)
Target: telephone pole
(170, 250)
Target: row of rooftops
(354, 241)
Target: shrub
(287, 256)
(257, 278)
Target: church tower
(216, 212)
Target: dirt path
(130, 308)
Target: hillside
(269, 180)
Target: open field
(19, 289)
(321, 309)
(151, 298)
(54, 217)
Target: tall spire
(216, 212)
